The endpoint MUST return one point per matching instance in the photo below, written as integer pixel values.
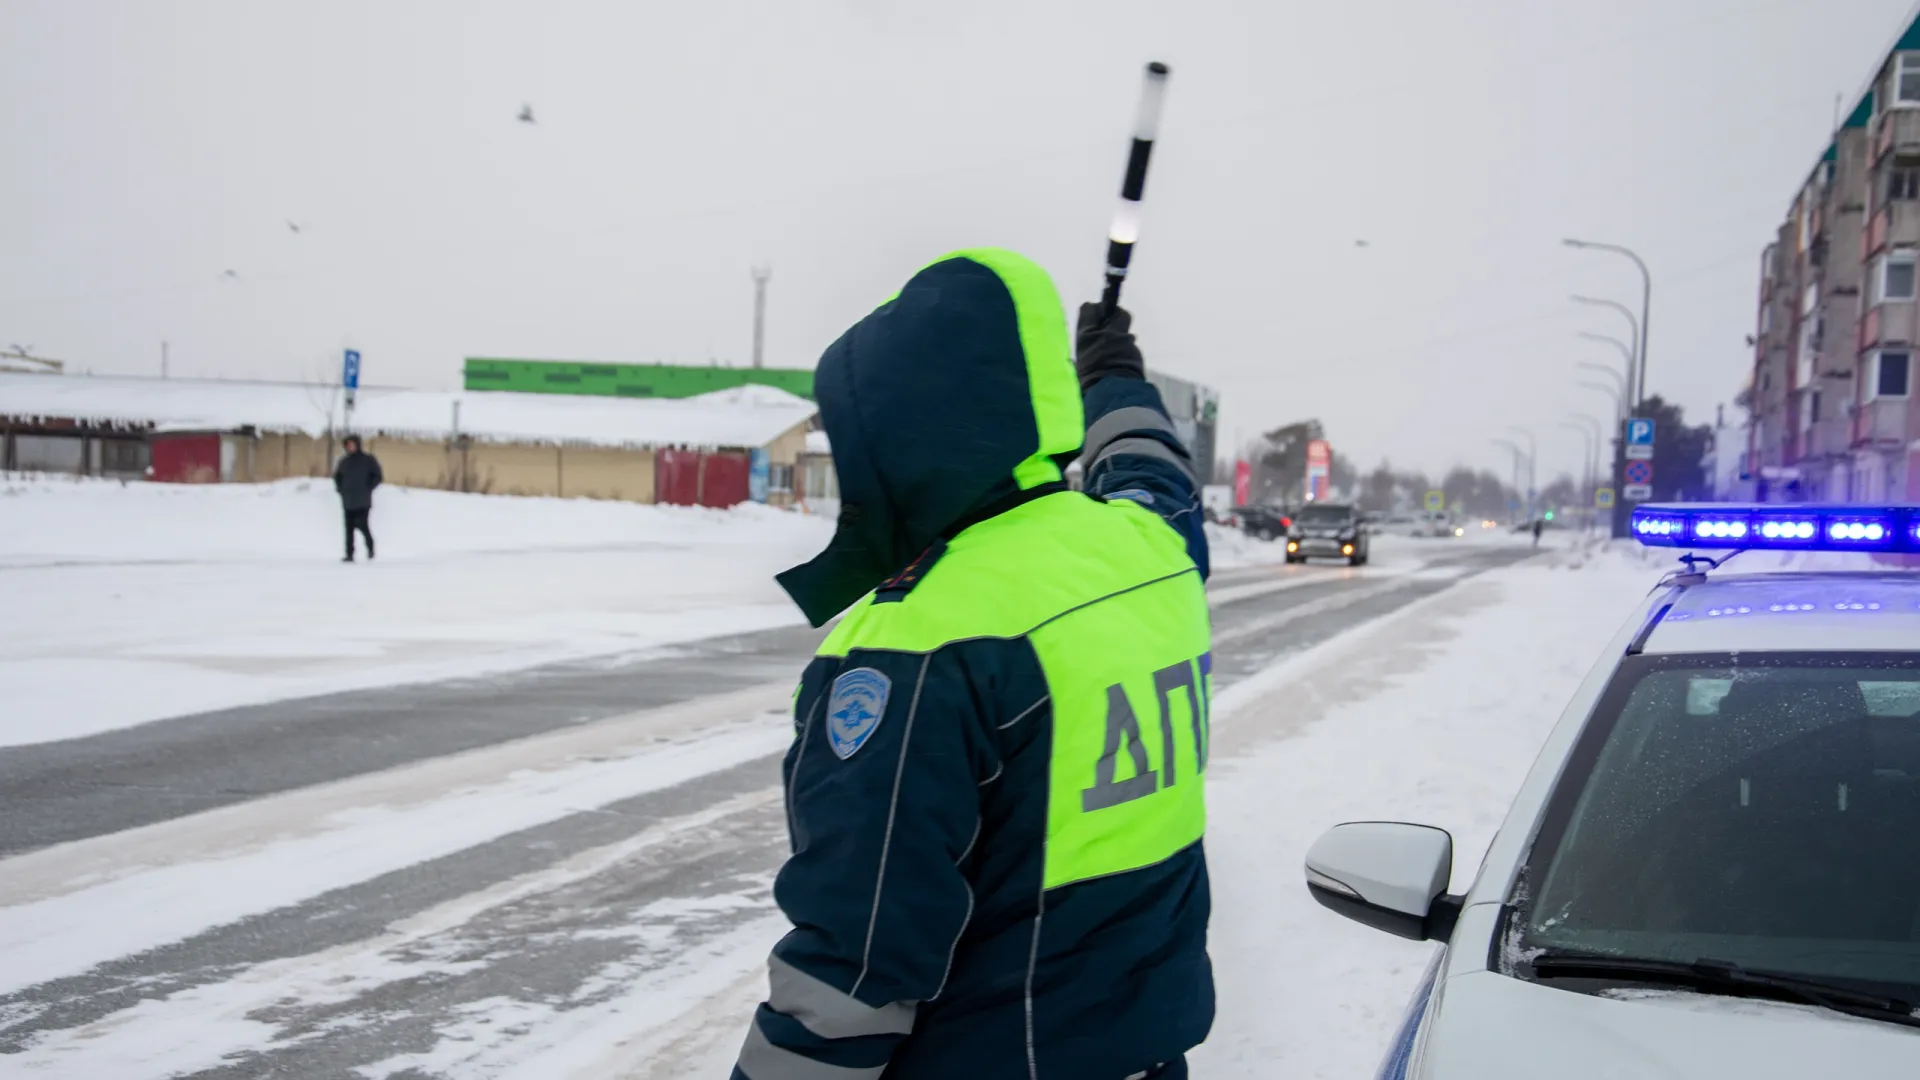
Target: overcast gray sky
(150, 146)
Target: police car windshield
(1324, 515)
(1760, 810)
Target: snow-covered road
(593, 900)
(564, 871)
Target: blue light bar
(1745, 526)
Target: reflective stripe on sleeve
(761, 1060)
(1144, 447)
(1121, 422)
(827, 1012)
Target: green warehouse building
(626, 380)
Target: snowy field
(128, 603)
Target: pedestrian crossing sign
(1603, 498)
(1436, 501)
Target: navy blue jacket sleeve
(1133, 452)
(883, 809)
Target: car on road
(1710, 870)
(1262, 522)
(1329, 530)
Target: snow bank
(133, 603)
(46, 520)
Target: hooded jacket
(355, 477)
(993, 793)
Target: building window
(1895, 280)
(1889, 376)
(780, 479)
(1906, 79)
(822, 483)
(1903, 184)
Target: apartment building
(1831, 415)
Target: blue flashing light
(1802, 528)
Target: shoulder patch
(854, 711)
(895, 589)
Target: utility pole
(163, 359)
(761, 274)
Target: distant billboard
(1319, 469)
(1195, 411)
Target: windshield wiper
(1726, 977)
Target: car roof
(1793, 611)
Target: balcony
(1898, 133)
(1830, 437)
(1882, 422)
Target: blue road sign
(350, 374)
(1639, 431)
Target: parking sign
(1639, 432)
(350, 371)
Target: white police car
(1713, 869)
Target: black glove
(1105, 349)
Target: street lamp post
(1626, 354)
(1619, 384)
(1611, 393)
(1509, 444)
(1590, 430)
(1627, 348)
(1646, 305)
(1533, 461)
(1618, 462)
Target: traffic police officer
(994, 789)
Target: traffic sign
(1639, 472)
(1639, 492)
(1640, 431)
(1639, 451)
(350, 372)
(1436, 501)
(1603, 498)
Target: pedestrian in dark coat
(355, 477)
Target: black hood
(954, 399)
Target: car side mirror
(1388, 875)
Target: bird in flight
(294, 226)
(526, 115)
(230, 275)
(1361, 244)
